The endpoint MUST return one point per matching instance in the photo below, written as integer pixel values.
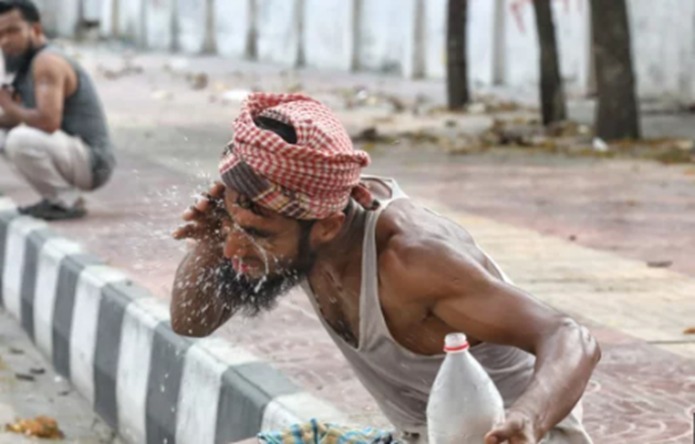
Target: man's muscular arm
(465, 296)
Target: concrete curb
(113, 341)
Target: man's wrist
(535, 420)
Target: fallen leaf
(689, 331)
(39, 427)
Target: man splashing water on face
(388, 278)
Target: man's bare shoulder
(405, 224)
(418, 246)
(48, 62)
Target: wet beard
(251, 297)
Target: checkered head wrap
(311, 179)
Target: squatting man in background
(53, 127)
(388, 278)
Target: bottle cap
(455, 342)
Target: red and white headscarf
(308, 180)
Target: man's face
(17, 35)
(267, 254)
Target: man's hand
(516, 429)
(6, 97)
(204, 220)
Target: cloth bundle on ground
(310, 179)
(315, 432)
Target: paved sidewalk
(38, 391)
(641, 393)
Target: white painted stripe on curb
(6, 204)
(17, 233)
(286, 410)
(139, 322)
(196, 417)
(229, 354)
(84, 329)
(50, 257)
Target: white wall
(159, 16)
(404, 36)
(328, 39)
(662, 41)
(107, 20)
(91, 9)
(131, 20)
(481, 40)
(233, 21)
(384, 27)
(278, 23)
(66, 15)
(191, 20)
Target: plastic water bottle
(464, 403)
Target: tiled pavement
(640, 393)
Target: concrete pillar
(383, 34)
(279, 31)
(192, 16)
(435, 38)
(414, 45)
(689, 78)
(60, 18)
(234, 27)
(131, 20)
(159, 26)
(328, 37)
(656, 53)
(108, 21)
(91, 10)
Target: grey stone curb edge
(112, 340)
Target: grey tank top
(83, 116)
(398, 379)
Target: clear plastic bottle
(464, 403)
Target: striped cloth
(315, 432)
(308, 180)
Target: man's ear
(37, 29)
(325, 230)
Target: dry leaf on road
(39, 427)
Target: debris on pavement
(24, 377)
(659, 264)
(689, 331)
(39, 427)
(235, 95)
(162, 95)
(599, 145)
(127, 67)
(198, 81)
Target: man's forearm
(16, 114)
(196, 307)
(564, 365)
(7, 122)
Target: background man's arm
(50, 74)
(7, 122)
(469, 299)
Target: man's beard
(250, 296)
(15, 63)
